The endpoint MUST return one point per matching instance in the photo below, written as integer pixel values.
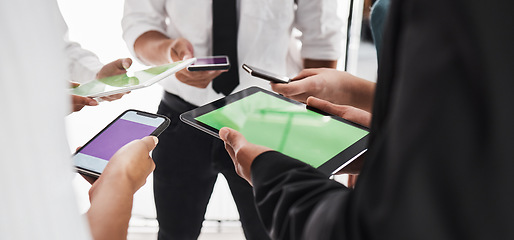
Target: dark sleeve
(295, 201)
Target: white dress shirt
(36, 196)
(265, 37)
(83, 65)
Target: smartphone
(92, 158)
(210, 63)
(256, 72)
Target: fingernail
(93, 103)
(224, 134)
(126, 65)
(155, 139)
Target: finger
(213, 74)
(326, 106)
(174, 54)
(126, 63)
(113, 97)
(77, 107)
(188, 51)
(181, 49)
(74, 84)
(232, 137)
(350, 113)
(84, 101)
(300, 97)
(293, 88)
(118, 65)
(306, 73)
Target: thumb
(150, 142)
(232, 137)
(126, 63)
(121, 64)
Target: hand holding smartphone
(256, 72)
(93, 157)
(210, 63)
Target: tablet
(124, 83)
(324, 141)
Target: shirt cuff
(320, 52)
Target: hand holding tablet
(326, 142)
(123, 83)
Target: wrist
(120, 180)
(362, 94)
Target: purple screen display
(205, 61)
(116, 136)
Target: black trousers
(187, 164)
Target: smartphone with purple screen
(92, 158)
(210, 63)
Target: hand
(241, 151)
(335, 86)
(182, 49)
(130, 165)
(111, 196)
(349, 113)
(79, 102)
(117, 67)
(199, 79)
(320, 82)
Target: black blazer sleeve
(295, 201)
(440, 163)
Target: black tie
(224, 42)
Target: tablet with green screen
(123, 83)
(324, 141)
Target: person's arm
(112, 194)
(313, 63)
(83, 65)
(144, 27)
(156, 48)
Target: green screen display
(286, 127)
(121, 81)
